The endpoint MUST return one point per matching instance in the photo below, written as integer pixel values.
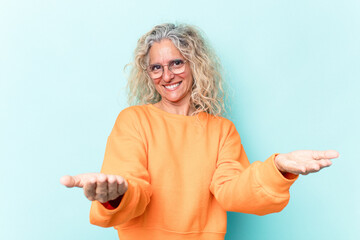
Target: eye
(155, 67)
(177, 62)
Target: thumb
(70, 181)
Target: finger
(314, 167)
(113, 187)
(332, 154)
(328, 154)
(70, 181)
(66, 181)
(102, 188)
(90, 189)
(324, 163)
(122, 185)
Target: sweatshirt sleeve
(125, 155)
(258, 188)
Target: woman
(173, 166)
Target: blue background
(293, 68)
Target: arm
(257, 188)
(125, 155)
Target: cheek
(189, 78)
(186, 76)
(156, 81)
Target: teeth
(172, 86)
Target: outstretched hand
(97, 186)
(304, 161)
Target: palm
(97, 186)
(305, 161)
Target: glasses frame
(162, 68)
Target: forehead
(164, 51)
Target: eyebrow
(151, 64)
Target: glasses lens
(155, 74)
(177, 66)
(155, 70)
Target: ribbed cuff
(102, 210)
(272, 180)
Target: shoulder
(224, 129)
(133, 112)
(128, 124)
(220, 123)
(131, 116)
(134, 109)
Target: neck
(176, 108)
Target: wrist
(277, 159)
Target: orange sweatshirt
(184, 173)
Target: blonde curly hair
(207, 91)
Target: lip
(172, 84)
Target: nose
(167, 74)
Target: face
(175, 89)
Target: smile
(173, 86)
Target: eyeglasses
(176, 66)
